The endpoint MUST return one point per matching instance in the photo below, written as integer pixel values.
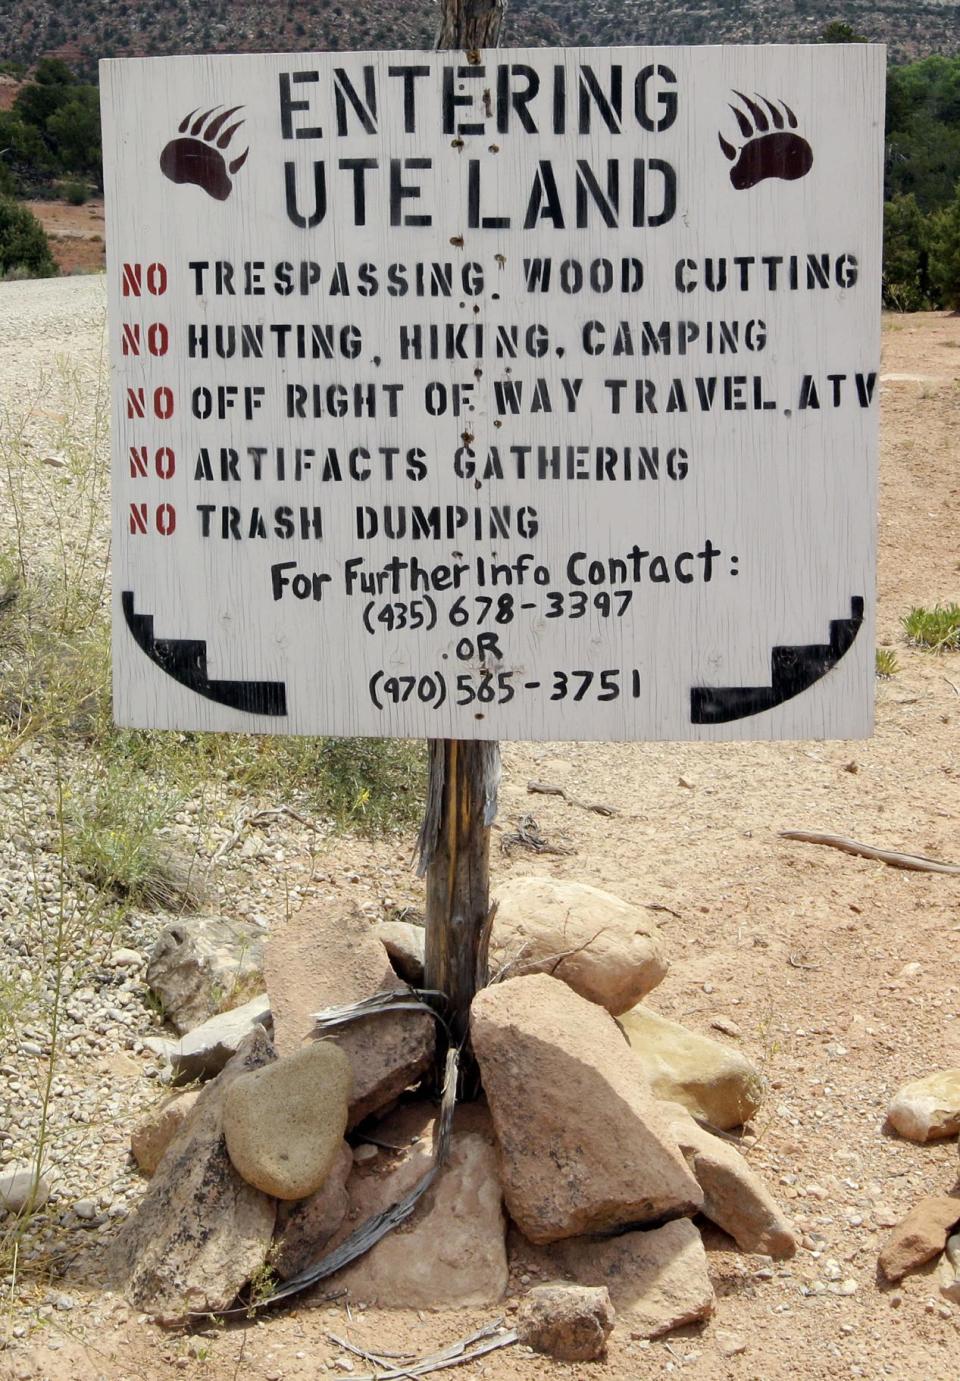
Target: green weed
(114, 838)
(936, 629)
(886, 662)
(368, 785)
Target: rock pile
(589, 1157)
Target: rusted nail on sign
(528, 398)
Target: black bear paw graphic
(771, 149)
(197, 157)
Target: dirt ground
(803, 947)
(75, 233)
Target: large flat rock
(200, 1231)
(451, 1253)
(328, 957)
(584, 1147)
(657, 1280)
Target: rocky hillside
(81, 31)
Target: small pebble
(729, 1344)
(125, 958)
(728, 1027)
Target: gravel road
(45, 318)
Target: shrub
(944, 240)
(23, 245)
(113, 836)
(75, 193)
(906, 284)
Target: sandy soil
(75, 233)
(803, 947)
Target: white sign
(527, 398)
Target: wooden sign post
(455, 855)
(462, 775)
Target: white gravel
(42, 317)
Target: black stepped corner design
(794, 670)
(185, 659)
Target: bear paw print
(197, 156)
(772, 148)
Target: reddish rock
(151, 1137)
(584, 1147)
(329, 957)
(734, 1197)
(920, 1237)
